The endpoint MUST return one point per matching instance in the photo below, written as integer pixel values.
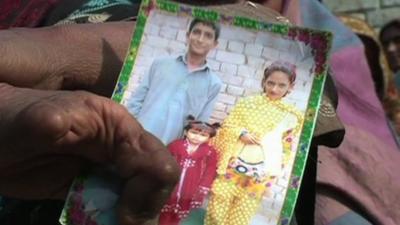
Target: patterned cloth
(36, 13)
(235, 196)
(24, 13)
(260, 116)
(198, 172)
(95, 11)
(230, 204)
(363, 170)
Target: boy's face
(201, 40)
(197, 137)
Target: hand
(81, 56)
(250, 139)
(48, 136)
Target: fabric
(270, 151)
(230, 204)
(24, 13)
(36, 13)
(198, 170)
(329, 131)
(358, 102)
(356, 173)
(235, 196)
(169, 93)
(92, 11)
(195, 217)
(258, 115)
(381, 73)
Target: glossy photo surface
(260, 82)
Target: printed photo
(234, 101)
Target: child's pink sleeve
(211, 169)
(206, 180)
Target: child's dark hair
(200, 125)
(285, 67)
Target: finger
(251, 139)
(151, 175)
(30, 123)
(146, 192)
(47, 137)
(257, 140)
(246, 139)
(104, 132)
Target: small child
(197, 161)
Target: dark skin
(50, 129)
(49, 135)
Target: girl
(253, 143)
(197, 161)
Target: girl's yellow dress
(245, 172)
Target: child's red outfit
(198, 171)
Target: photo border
(319, 41)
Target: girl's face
(197, 137)
(277, 85)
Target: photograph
(233, 99)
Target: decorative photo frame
(246, 49)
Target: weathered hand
(47, 137)
(81, 56)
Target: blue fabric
(169, 93)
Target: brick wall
(375, 12)
(239, 60)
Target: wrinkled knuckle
(168, 169)
(43, 118)
(159, 162)
(171, 170)
(4, 87)
(95, 101)
(83, 94)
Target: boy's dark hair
(213, 25)
(200, 125)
